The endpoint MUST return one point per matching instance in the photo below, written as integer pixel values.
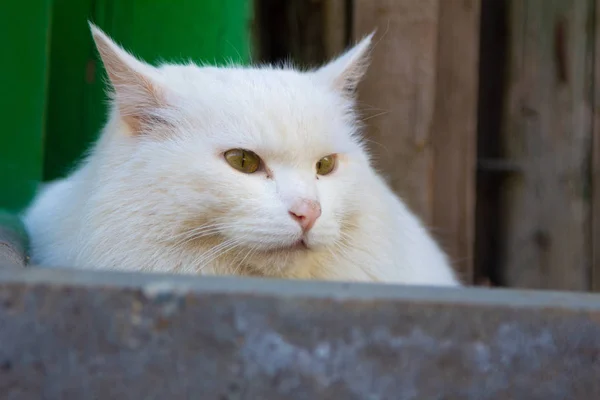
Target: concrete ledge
(85, 335)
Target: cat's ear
(136, 86)
(345, 72)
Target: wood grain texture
(547, 132)
(454, 132)
(335, 27)
(309, 33)
(595, 275)
(420, 104)
(398, 93)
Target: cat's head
(265, 163)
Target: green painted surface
(211, 31)
(53, 107)
(71, 49)
(24, 28)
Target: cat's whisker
(204, 227)
(212, 250)
(186, 235)
(199, 232)
(190, 236)
(217, 228)
(185, 241)
(220, 254)
(375, 115)
(341, 246)
(241, 263)
(240, 252)
(203, 257)
(217, 251)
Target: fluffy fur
(156, 194)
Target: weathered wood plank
(547, 131)
(454, 132)
(335, 26)
(595, 275)
(398, 93)
(420, 98)
(306, 32)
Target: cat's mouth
(298, 246)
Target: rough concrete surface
(85, 335)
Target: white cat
(248, 171)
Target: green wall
(211, 31)
(24, 32)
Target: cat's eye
(243, 160)
(326, 165)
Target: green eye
(326, 165)
(243, 160)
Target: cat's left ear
(345, 72)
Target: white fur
(162, 198)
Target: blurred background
(482, 114)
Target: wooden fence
(482, 115)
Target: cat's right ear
(136, 86)
(345, 72)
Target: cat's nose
(306, 212)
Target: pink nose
(306, 213)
